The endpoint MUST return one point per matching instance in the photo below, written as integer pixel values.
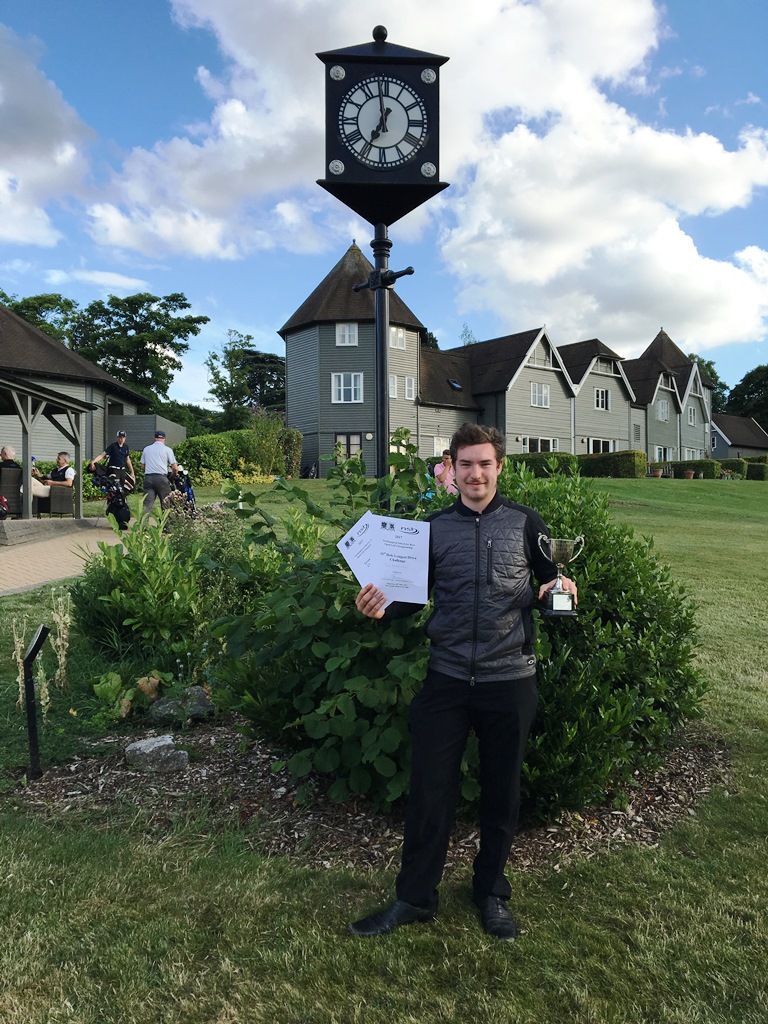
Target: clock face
(383, 122)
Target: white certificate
(393, 554)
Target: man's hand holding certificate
(393, 554)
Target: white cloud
(41, 146)
(564, 207)
(103, 278)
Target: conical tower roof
(333, 301)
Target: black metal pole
(30, 703)
(381, 245)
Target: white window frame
(410, 388)
(397, 337)
(691, 415)
(539, 395)
(393, 385)
(440, 444)
(553, 442)
(603, 399)
(602, 441)
(346, 335)
(663, 410)
(339, 386)
(714, 440)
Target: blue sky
(608, 165)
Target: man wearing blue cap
(156, 460)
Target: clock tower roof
(381, 51)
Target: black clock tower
(382, 160)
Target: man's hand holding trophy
(560, 600)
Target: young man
(483, 552)
(118, 456)
(156, 461)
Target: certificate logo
(409, 529)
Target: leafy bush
(141, 596)
(757, 471)
(333, 687)
(709, 468)
(262, 449)
(629, 464)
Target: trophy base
(555, 613)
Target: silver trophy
(558, 601)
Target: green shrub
(710, 469)
(543, 464)
(736, 467)
(757, 471)
(630, 464)
(141, 597)
(333, 688)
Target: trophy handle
(580, 541)
(544, 539)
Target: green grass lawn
(104, 922)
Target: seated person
(8, 458)
(62, 476)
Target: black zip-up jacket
(480, 575)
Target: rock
(194, 704)
(156, 754)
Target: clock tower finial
(380, 34)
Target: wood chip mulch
(230, 780)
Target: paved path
(57, 554)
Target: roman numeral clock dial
(383, 122)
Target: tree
(266, 379)
(750, 396)
(228, 379)
(49, 312)
(137, 339)
(467, 336)
(719, 387)
(428, 340)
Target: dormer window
(397, 337)
(346, 334)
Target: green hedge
(542, 464)
(629, 464)
(736, 466)
(709, 468)
(757, 471)
(268, 448)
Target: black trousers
(442, 714)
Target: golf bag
(182, 486)
(115, 485)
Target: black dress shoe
(392, 917)
(497, 920)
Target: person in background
(444, 474)
(8, 458)
(118, 456)
(62, 476)
(156, 461)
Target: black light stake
(29, 700)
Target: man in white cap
(156, 460)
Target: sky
(607, 161)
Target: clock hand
(382, 125)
